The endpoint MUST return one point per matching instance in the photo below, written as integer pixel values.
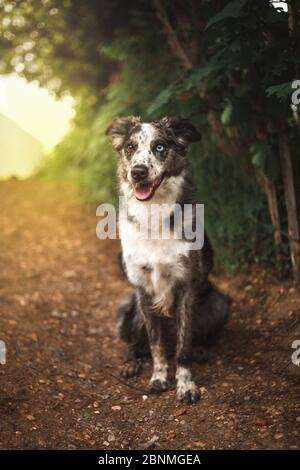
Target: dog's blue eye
(160, 148)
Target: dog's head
(152, 154)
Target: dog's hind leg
(131, 329)
(132, 365)
(211, 312)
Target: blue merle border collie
(174, 307)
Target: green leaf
(119, 49)
(162, 99)
(227, 114)
(258, 152)
(199, 73)
(231, 10)
(282, 91)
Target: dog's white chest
(154, 265)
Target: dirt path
(59, 288)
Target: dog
(174, 308)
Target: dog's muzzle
(139, 173)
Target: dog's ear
(184, 131)
(118, 130)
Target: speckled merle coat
(174, 307)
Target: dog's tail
(212, 314)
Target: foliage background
(226, 65)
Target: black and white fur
(174, 307)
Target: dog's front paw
(158, 385)
(188, 393)
(130, 369)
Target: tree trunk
(290, 198)
(268, 187)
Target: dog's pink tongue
(142, 191)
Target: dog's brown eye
(130, 148)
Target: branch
(171, 35)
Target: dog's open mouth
(145, 191)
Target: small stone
(179, 412)
(116, 408)
(30, 417)
(278, 436)
(111, 438)
(150, 444)
(200, 444)
(69, 274)
(261, 422)
(72, 447)
(145, 397)
(56, 314)
(298, 419)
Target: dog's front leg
(186, 389)
(159, 379)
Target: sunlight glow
(35, 110)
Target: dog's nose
(139, 172)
